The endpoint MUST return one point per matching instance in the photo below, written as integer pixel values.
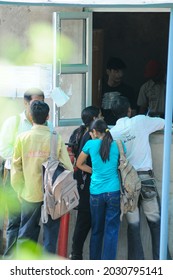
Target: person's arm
(81, 163)
(63, 155)
(153, 124)
(17, 176)
(7, 138)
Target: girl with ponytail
(104, 190)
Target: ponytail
(101, 126)
(105, 146)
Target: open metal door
(72, 65)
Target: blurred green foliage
(39, 48)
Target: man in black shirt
(113, 87)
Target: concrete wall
(17, 19)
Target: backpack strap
(53, 145)
(53, 154)
(122, 157)
(44, 214)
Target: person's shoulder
(137, 118)
(155, 119)
(125, 122)
(147, 84)
(23, 135)
(112, 129)
(11, 118)
(147, 119)
(50, 125)
(91, 143)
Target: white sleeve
(153, 124)
(7, 138)
(113, 133)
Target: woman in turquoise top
(104, 191)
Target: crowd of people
(121, 116)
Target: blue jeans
(14, 216)
(151, 209)
(105, 222)
(29, 226)
(50, 235)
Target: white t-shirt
(135, 133)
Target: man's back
(135, 134)
(31, 150)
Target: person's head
(30, 95)
(115, 70)
(39, 111)
(154, 70)
(121, 107)
(89, 114)
(99, 129)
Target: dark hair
(33, 92)
(120, 107)
(115, 63)
(87, 116)
(39, 111)
(101, 126)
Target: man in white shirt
(11, 128)
(135, 133)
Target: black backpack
(75, 139)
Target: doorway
(135, 37)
